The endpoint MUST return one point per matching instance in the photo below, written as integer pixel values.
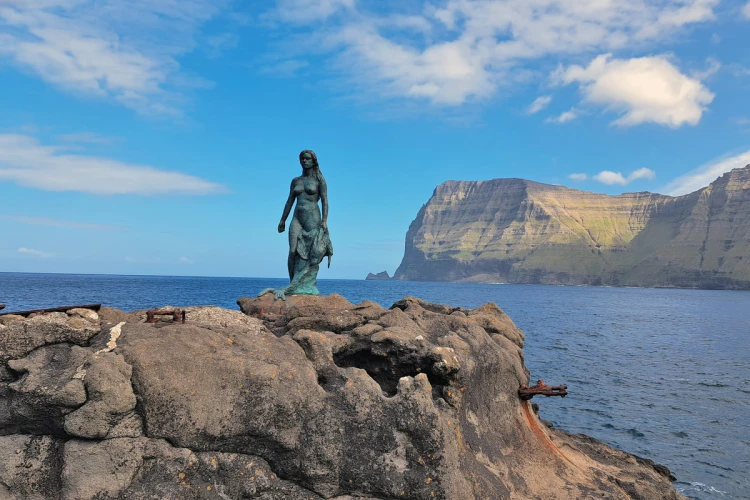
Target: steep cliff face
(518, 231)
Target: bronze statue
(309, 241)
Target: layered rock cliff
(306, 399)
(518, 231)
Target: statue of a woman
(309, 241)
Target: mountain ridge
(520, 231)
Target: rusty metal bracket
(177, 315)
(526, 393)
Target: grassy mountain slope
(518, 231)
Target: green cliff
(518, 231)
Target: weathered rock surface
(518, 231)
(310, 398)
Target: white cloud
(35, 253)
(564, 117)
(27, 162)
(126, 50)
(461, 50)
(64, 224)
(539, 104)
(706, 174)
(645, 89)
(641, 173)
(611, 178)
(185, 260)
(746, 10)
(578, 177)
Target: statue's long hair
(316, 168)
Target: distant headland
(519, 231)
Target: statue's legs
(295, 228)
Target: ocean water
(661, 373)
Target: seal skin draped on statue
(309, 241)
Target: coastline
(687, 331)
(429, 392)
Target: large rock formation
(517, 231)
(306, 399)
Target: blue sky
(160, 136)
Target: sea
(661, 373)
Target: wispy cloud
(746, 10)
(215, 45)
(87, 138)
(27, 162)
(305, 11)
(185, 260)
(564, 117)
(578, 177)
(706, 174)
(64, 224)
(35, 253)
(611, 178)
(286, 68)
(125, 50)
(645, 89)
(539, 104)
(712, 67)
(459, 50)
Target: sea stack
(381, 276)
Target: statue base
(304, 283)
(267, 304)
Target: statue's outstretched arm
(324, 200)
(287, 208)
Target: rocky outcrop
(382, 276)
(517, 231)
(310, 398)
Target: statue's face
(306, 161)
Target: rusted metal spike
(177, 315)
(526, 393)
(93, 307)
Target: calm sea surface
(664, 374)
